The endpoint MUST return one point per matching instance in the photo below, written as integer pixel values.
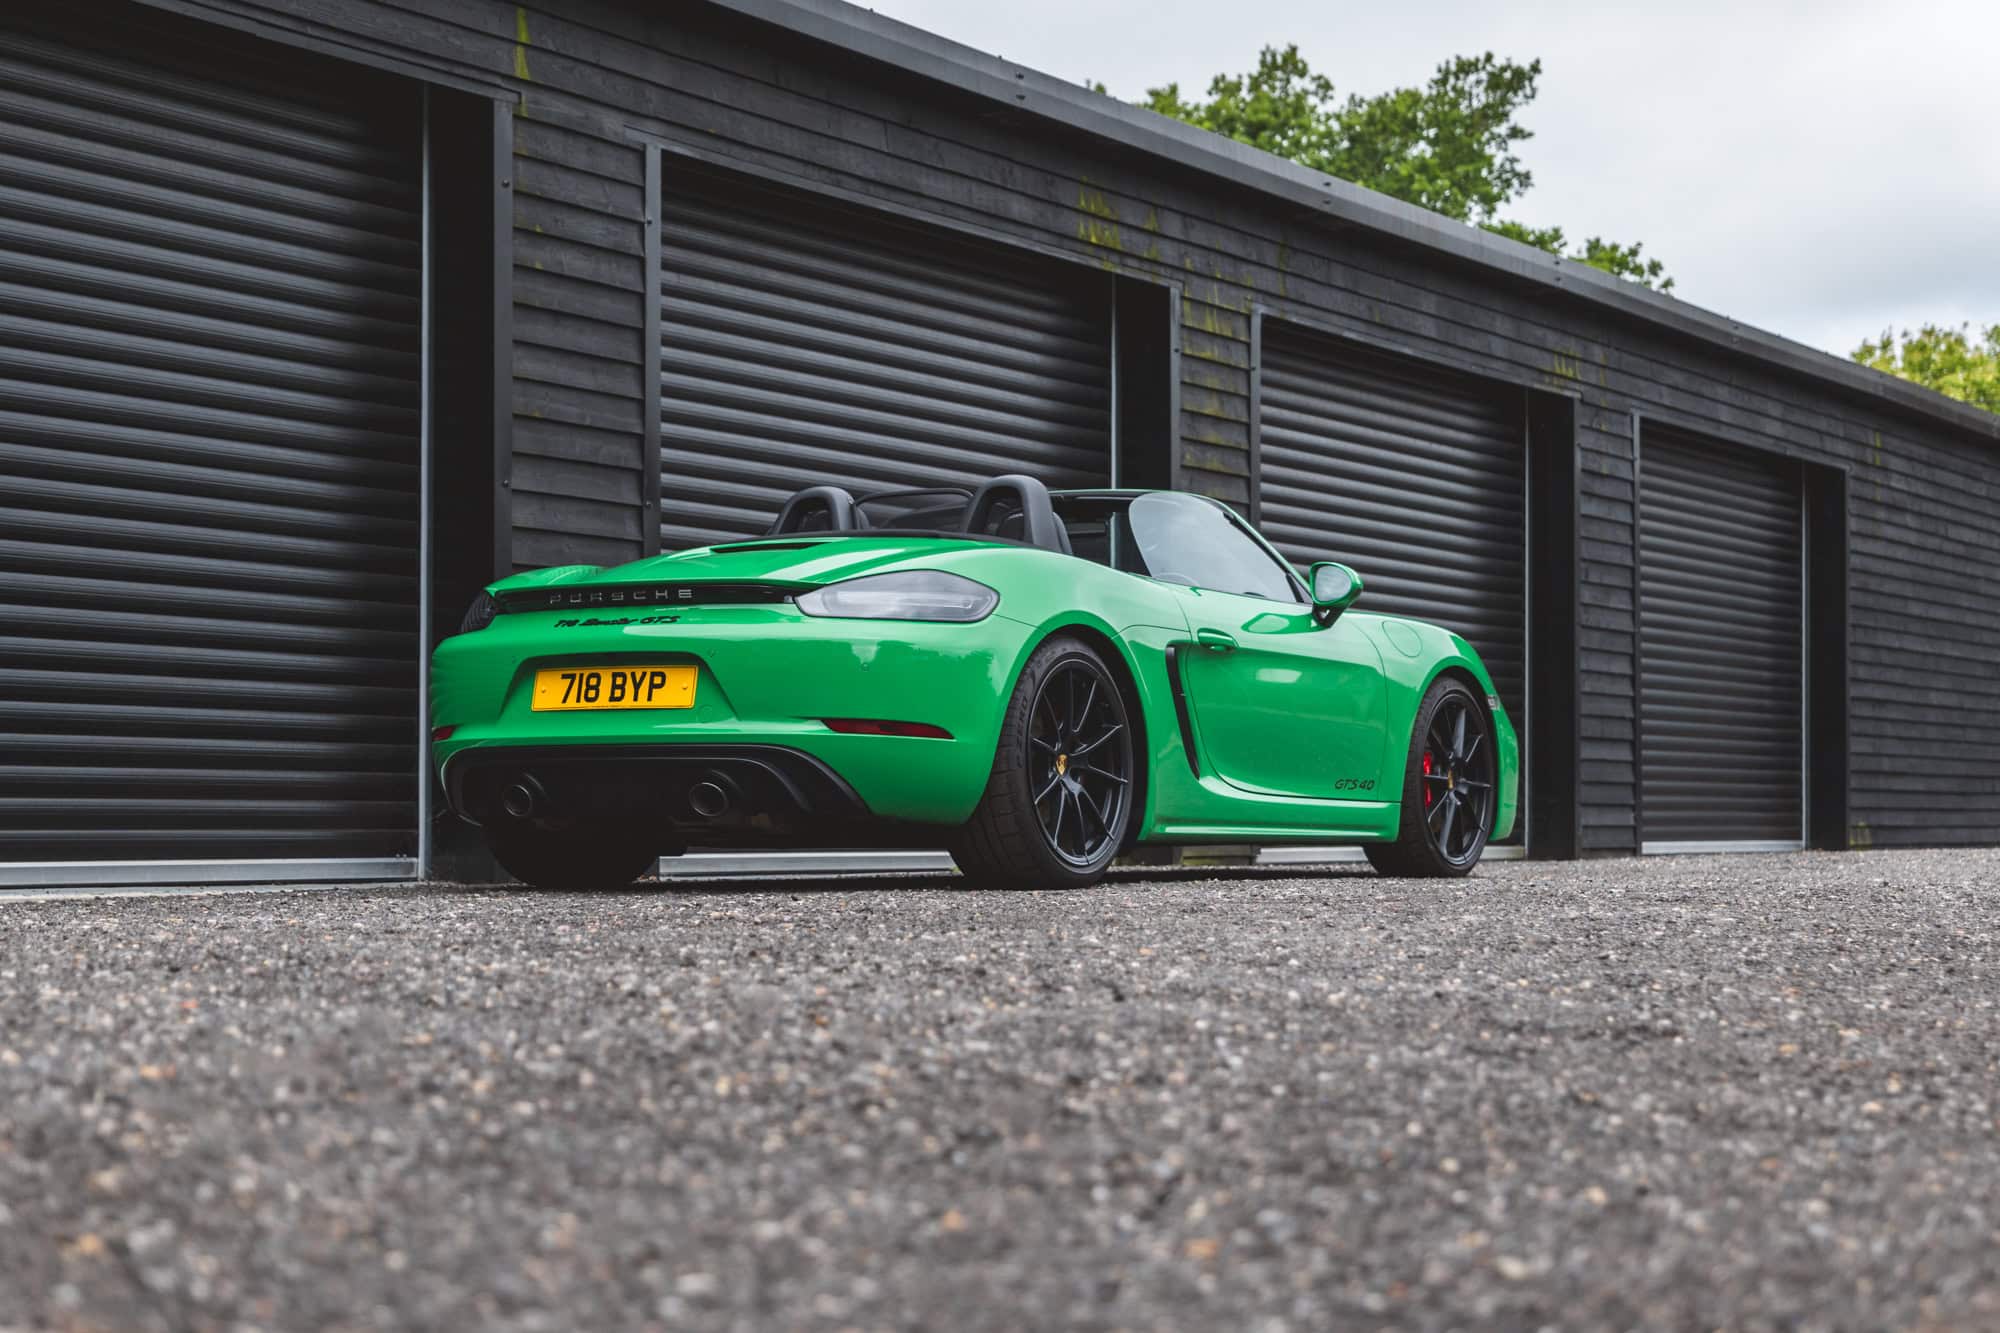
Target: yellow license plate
(614, 687)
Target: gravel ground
(1749, 1092)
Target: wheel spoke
(1476, 786)
(1438, 808)
(1450, 816)
(1472, 749)
(1435, 777)
(1082, 750)
(1076, 700)
(1055, 718)
(1458, 736)
(1084, 802)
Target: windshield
(1184, 539)
(1175, 538)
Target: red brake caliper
(1427, 773)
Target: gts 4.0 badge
(1354, 784)
(593, 621)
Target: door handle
(1215, 639)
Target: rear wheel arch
(1034, 825)
(1118, 658)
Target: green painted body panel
(1266, 714)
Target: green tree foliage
(1955, 362)
(1448, 146)
(1621, 261)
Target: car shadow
(924, 881)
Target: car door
(1281, 705)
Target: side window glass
(1186, 540)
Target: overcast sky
(1823, 170)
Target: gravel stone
(1754, 1092)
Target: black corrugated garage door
(1721, 625)
(1411, 475)
(804, 342)
(209, 267)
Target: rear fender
(1140, 649)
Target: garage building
(315, 315)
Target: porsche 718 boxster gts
(1036, 681)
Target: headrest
(831, 506)
(995, 505)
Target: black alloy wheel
(1064, 790)
(1449, 788)
(1081, 759)
(1458, 779)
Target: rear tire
(1059, 801)
(1450, 781)
(575, 856)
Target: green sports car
(1037, 681)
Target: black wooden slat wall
(801, 342)
(1607, 790)
(1720, 643)
(579, 307)
(1924, 624)
(209, 266)
(1412, 476)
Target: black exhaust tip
(709, 799)
(522, 797)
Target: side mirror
(1334, 588)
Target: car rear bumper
(769, 679)
(734, 795)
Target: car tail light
(907, 594)
(480, 614)
(871, 726)
(443, 733)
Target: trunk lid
(738, 571)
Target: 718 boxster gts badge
(594, 622)
(1036, 681)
